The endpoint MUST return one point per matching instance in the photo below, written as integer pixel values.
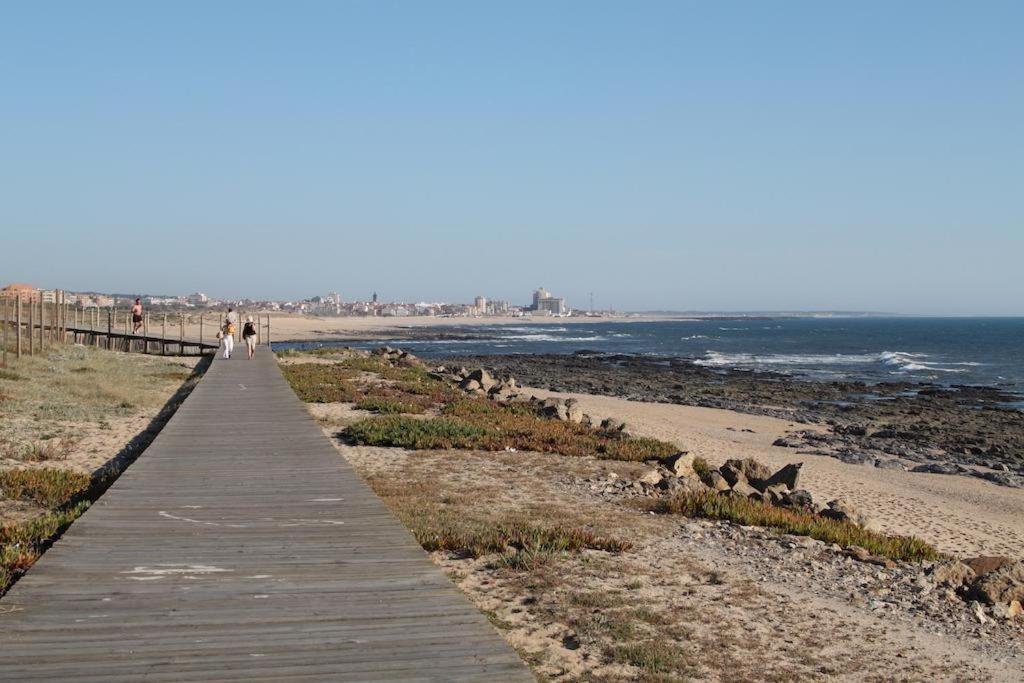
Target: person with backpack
(249, 335)
(230, 323)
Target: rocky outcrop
(1003, 585)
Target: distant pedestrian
(137, 316)
(230, 323)
(249, 335)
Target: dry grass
(797, 522)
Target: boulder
(469, 385)
(554, 408)
(789, 476)
(752, 470)
(742, 488)
(717, 482)
(952, 573)
(610, 424)
(587, 421)
(987, 563)
(798, 499)
(776, 493)
(732, 474)
(483, 378)
(692, 485)
(573, 411)
(680, 464)
(1005, 584)
(840, 510)
(651, 477)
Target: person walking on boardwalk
(230, 324)
(137, 316)
(249, 335)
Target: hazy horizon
(664, 156)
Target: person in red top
(137, 316)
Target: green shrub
(47, 487)
(387, 406)
(404, 432)
(797, 522)
(320, 383)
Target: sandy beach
(961, 516)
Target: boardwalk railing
(31, 323)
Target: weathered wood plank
(241, 546)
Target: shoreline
(891, 426)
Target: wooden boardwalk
(242, 547)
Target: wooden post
(110, 328)
(200, 333)
(181, 333)
(163, 337)
(31, 328)
(17, 343)
(145, 333)
(268, 333)
(259, 329)
(7, 321)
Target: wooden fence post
(17, 342)
(110, 328)
(181, 334)
(7, 321)
(163, 337)
(31, 328)
(269, 346)
(200, 333)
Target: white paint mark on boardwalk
(242, 387)
(160, 571)
(325, 500)
(168, 515)
(311, 522)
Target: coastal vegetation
(747, 512)
(70, 422)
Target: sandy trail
(959, 515)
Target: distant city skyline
(663, 155)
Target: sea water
(980, 351)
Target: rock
(798, 499)
(610, 424)
(717, 481)
(680, 464)
(775, 493)
(840, 510)
(1013, 610)
(587, 421)
(692, 485)
(573, 411)
(987, 563)
(483, 378)
(554, 408)
(789, 442)
(952, 573)
(890, 465)
(753, 471)
(742, 488)
(732, 474)
(469, 385)
(978, 611)
(858, 553)
(937, 468)
(1005, 584)
(651, 477)
(788, 476)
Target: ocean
(985, 351)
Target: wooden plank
(241, 546)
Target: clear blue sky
(684, 155)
